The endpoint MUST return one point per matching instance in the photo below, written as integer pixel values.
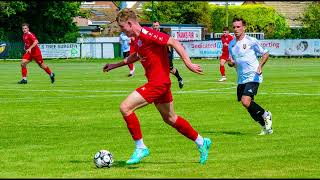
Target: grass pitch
(54, 130)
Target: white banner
(186, 35)
(204, 49)
(65, 50)
(288, 47)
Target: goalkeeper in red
(151, 50)
(32, 51)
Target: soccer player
(173, 70)
(225, 39)
(151, 50)
(32, 51)
(243, 52)
(125, 47)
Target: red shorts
(156, 93)
(29, 57)
(224, 56)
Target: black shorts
(171, 64)
(170, 56)
(126, 54)
(247, 89)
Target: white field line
(123, 92)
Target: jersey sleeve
(231, 44)
(124, 37)
(258, 49)
(154, 36)
(32, 37)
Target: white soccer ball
(103, 158)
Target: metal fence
(252, 34)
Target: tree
(259, 18)
(311, 21)
(8, 9)
(178, 12)
(51, 21)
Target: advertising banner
(287, 47)
(65, 50)
(3, 50)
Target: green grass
(53, 131)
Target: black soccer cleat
(23, 81)
(52, 78)
(180, 83)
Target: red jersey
(151, 47)
(28, 39)
(226, 39)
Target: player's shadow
(224, 132)
(123, 164)
(171, 162)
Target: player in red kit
(32, 51)
(151, 50)
(225, 39)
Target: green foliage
(51, 21)
(7, 10)
(259, 18)
(311, 21)
(179, 12)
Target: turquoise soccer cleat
(138, 155)
(204, 150)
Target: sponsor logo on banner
(66, 50)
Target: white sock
(132, 71)
(24, 78)
(199, 141)
(265, 114)
(140, 144)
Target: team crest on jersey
(139, 43)
(244, 46)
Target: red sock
(183, 127)
(48, 70)
(133, 126)
(222, 71)
(131, 66)
(24, 71)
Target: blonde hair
(25, 24)
(126, 14)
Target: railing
(252, 34)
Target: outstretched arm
(128, 60)
(184, 55)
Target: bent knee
(125, 109)
(245, 102)
(170, 119)
(23, 63)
